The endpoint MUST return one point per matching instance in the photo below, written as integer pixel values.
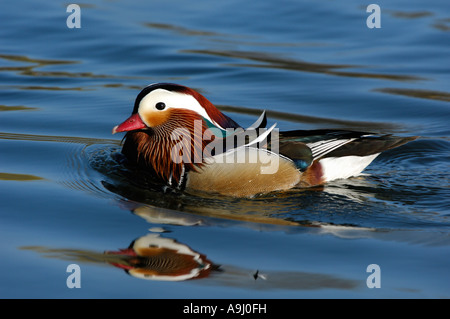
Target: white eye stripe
(171, 100)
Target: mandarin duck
(184, 141)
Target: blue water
(310, 64)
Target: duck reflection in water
(157, 258)
(154, 257)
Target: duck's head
(162, 103)
(161, 111)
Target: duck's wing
(334, 154)
(300, 153)
(368, 145)
(303, 147)
(340, 143)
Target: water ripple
(266, 60)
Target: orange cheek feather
(155, 118)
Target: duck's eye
(160, 106)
